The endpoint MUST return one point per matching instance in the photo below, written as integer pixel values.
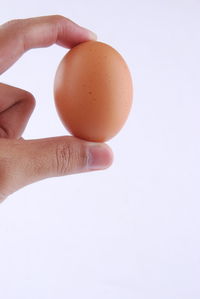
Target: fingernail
(100, 157)
(92, 35)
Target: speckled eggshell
(93, 91)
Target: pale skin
(23, 162)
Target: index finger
(18, 36)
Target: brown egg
(93, 91)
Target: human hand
(23, 162)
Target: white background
(132, 231)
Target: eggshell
(93, 91)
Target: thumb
(28, 161)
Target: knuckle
(15, 26)
(30, 99)
(59, 23)
(27, 101)
(58, 18)
(63, 159)
(28, 95)
(70, 158)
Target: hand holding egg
(26, 161)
